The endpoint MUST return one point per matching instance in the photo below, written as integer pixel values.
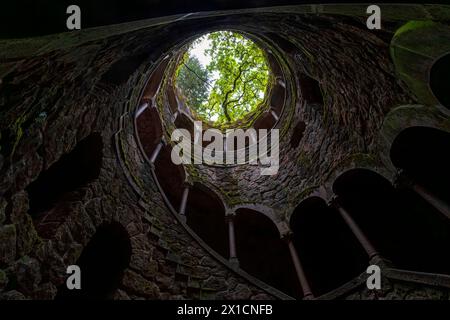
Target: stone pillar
(175, 116)
(274, 115)
(184, 198)
(141, 109)
(437, 203)
(156, 152)
(363, 240)
(403, 180)
(232, 238)
(306, 289)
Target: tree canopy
(192, 80)
(231, 85)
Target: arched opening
(51, 194)
(183, 122)
(439, 80)
(262, 253)
(310, 90)
(205, 215)
(102, 264)
(297, 134)
(265, 121)
(170, 176)
(278, 95)
(321, 237)
(149, 129)
(223, 78)
(401, 226)
(423, 154)
(155, 80)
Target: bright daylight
(222, 77)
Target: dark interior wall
(322, 239)
(51, 195)
(205, 214)
(263, 253)
(50, 103)
(422, 154)
(342, 116)
(26, 18)
(103, 262)
(72, 171)
(438, 78)
(401, 225)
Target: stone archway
(329, 252)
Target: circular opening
(439, 80)
(223, 77)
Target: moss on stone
(414, 48)
(414, 25)
(358, 159)
(307, 192)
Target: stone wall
(52, 101)
(56, 91)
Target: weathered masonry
(86, 176)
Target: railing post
(175, 116)
(229, 217)
(274, 115)
(306, 289)
(356, 230)
(156, 152)
(403, 180)
(184, 198)
(141, 109)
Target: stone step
(155, 231)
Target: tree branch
(205, 81)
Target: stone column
(363, 240)
(437, 203)
(403, 180)
(306, 289)
(156, 152)
(175, 116)
(141, 109)
(274, 115)
(229, 217)
(184, 198)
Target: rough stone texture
(54, 95)
(346, 125)
(7, 243)
(401, 290)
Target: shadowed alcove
(439, 80)
(102, 264)
(149, 129)
(262, 252)
(310, 90)
(329, 252)
(51, 194)
(401, 226)
(170, 176)
(423, 155)
(297, 134)
(205, 215)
